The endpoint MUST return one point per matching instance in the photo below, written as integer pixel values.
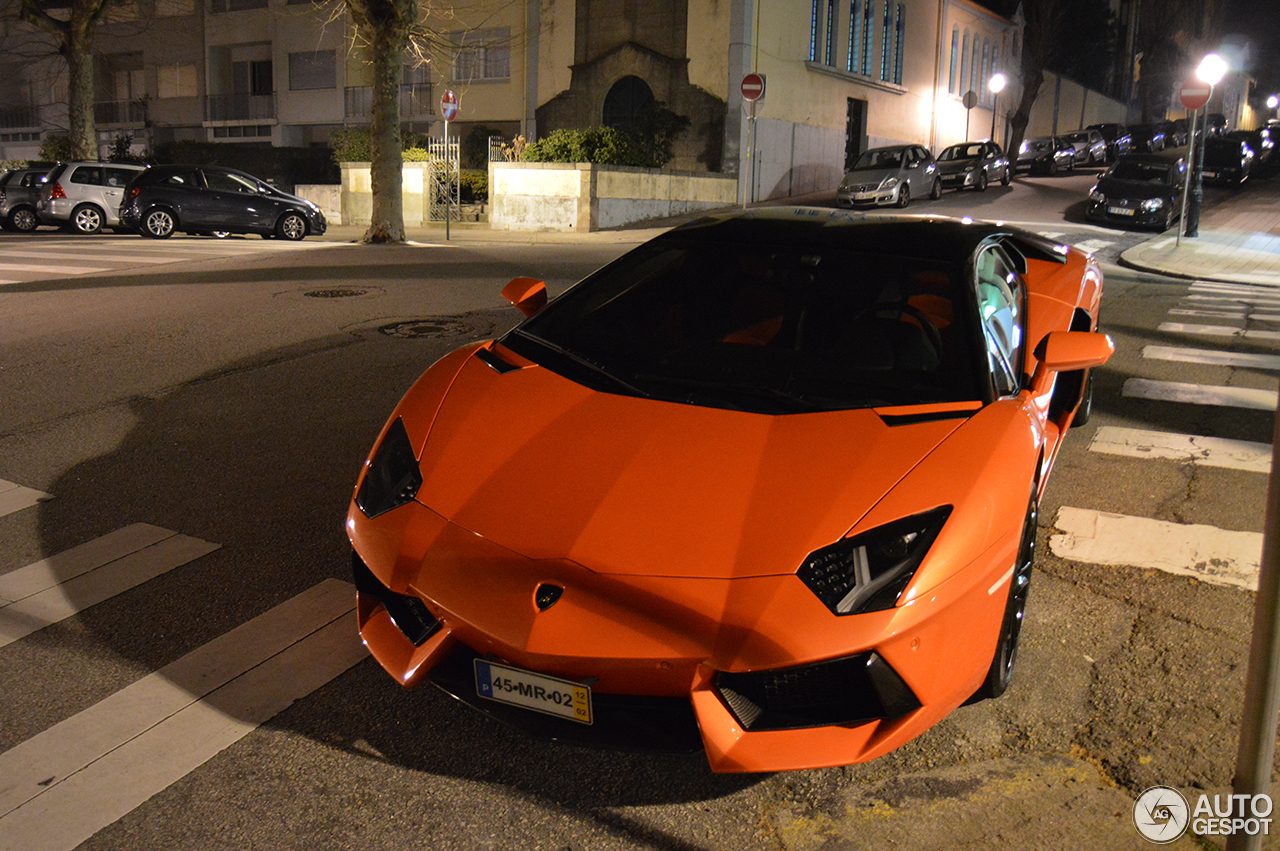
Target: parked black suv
(19, 191)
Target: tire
(87, 219)
(1085, 410)
(904, 195)
(1000, 674)
(1005, 178)
(23, 219)
(1168, 218)
(1071, 166)
(935, 191)
(293, 227)
(1053, 167)
(982, 181)
(158, 223)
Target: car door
(236, 202)
(917, 161)
(114, 181)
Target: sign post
(448, 111)
(1194, 96)
(970, 100)
(752, 90)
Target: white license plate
(538, 692)
(1120, 211)
(865, 196)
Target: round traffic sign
(970, 99)
(1194, 94)
(752, 87)
(449, 105)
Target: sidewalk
(1239, 241)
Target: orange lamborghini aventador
(764, 486)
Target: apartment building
(841, 76)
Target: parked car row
(895, 174)
(85, 197)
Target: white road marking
(1246, 455)
(101, 571)
(61, 268)
(1217, 331)
(1260, 301)
(1093, 246)
(62, 786)
(1242, 289)
(1212, 357)
(1207, 553)
(1225, 314)
(1200, 394)
(16, 497)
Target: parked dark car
(215, 200)
(1170, 133)
(1180, 132)
(1117, 137)
(972, 165)
(19, 191)
(1141, 190)
(1148, 138)
(1217, 123)
(1046, 155)
(1091, 148)
(1262, 141)
(1227, 158)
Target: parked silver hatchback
(85, 197)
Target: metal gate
(442, 177)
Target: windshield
(1139, 172)
(1039, 144)
(960, 152)
(878, 160)
(1077, 137)
(764, 328)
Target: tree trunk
(1032, 80)
(81, 90)
(386, 167)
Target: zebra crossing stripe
(1217, 331)
(1218, 556)
(1225, 314)
(15, 497)
(1200, 394)
(65, 784)
(1212, 357)
(41, 594)
(1245, 455)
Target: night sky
(1253, 41)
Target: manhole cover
(335, 293)
(430, 327)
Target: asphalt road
(231, 400)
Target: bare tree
(74, 28)
(386, 26)
(1041, 46)
(1170, 33)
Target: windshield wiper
(581, 361)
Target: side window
(89, 175)
(118, 176)
(1002, 308)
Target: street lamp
(1211, 70)
(996, 84)
(1272, 103)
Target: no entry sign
(752, 87)
(1194, 94)
(449, 105)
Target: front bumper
(866, 197)
(960, 180)
(755, 671)
(1124, 213)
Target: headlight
(1095, 195)
(889, 183)
(1153, 204)
(867, 573)
(1022, 149)
(393, 477)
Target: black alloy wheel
(1001, 672)
(982, 181)
(935, 191)
(23, 219)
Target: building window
(219, 6)
(813, 33)
(886, 42)
(964, 64)
(955, 49)
(831, 32)
(868, 36)
(900, 36)
(252, 78)
(176, 81)
(986, 71)
(482, 54)
(313, 70)
(246, 131)
(975, 85)
(855, 18)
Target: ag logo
(1161, 814)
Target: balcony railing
(415, 101)
(239, 107)
(120, 112)
(19, 116)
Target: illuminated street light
(1273, 102)
(1211, 70)
(996, 84)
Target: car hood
(1133, 189)
(957, 166)
(631, 486)
(868, 175)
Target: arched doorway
(626, 101)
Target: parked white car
(85, 197)
(1091, 148)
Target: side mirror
(1063, 351)
(529, 295)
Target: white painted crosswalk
(15, 497)
(1220, 556)
(61, 786)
